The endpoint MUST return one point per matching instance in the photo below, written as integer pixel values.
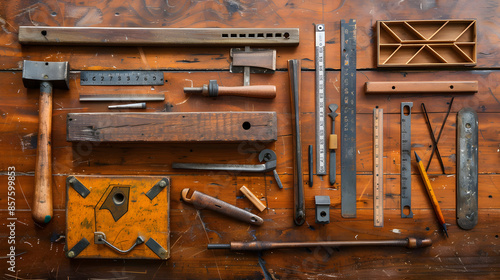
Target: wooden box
(120, 210)
(426, 43)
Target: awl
(214, 90)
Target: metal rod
(310, 160)
(439, 135)
(433, 139)
(141, 105)
(122, 97)
(298, 187)
(264, 245)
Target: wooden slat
(421, 87)
(122, 36)
(172, 127)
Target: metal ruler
(320, 101)
(121, 78)
(378, 167)
(467, 168)
(348, 117)
(406, 160)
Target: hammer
(45, 75)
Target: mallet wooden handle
(214, 90)
(264, 91)
(42, 201)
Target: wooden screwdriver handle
(264, 91)
(42, 200)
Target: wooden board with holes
(121, 209)
(172, 127)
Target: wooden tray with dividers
(425, 43)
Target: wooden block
(422, 87)
(253, 198)
(172, 127)
(332, 143)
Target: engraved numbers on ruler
(320, 101)
(348, 118)
(406, 160)
(378, 167)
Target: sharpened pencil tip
(416, 156)
(445, 230)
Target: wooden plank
(172, 127)
(421, 87)
(136, 36)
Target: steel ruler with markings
(320, 101)
(406, 160)
(348, 117)
(121, 78)
(378, 167)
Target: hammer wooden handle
(42, 204)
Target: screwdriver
(214, 90)
(431, 194)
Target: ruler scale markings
(406, 160)
(378, 167)
(320, 100)
(348, 117)
(121, 78)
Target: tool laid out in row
(113, 204)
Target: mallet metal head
(35, 72)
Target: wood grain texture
(165, 37)
(172, 127)
(245, 14)
(40, 254)
(421, 87)
(42, 200)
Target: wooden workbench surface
(40, 251)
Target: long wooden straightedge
(172, 127)
(378, 167)
(422, 87)
(45, 35)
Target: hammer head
(35, 72)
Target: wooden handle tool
(46, 76)
(214, 90)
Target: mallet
(45, 75)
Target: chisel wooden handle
(42, 200)
(214, 90)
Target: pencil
(431, 194)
